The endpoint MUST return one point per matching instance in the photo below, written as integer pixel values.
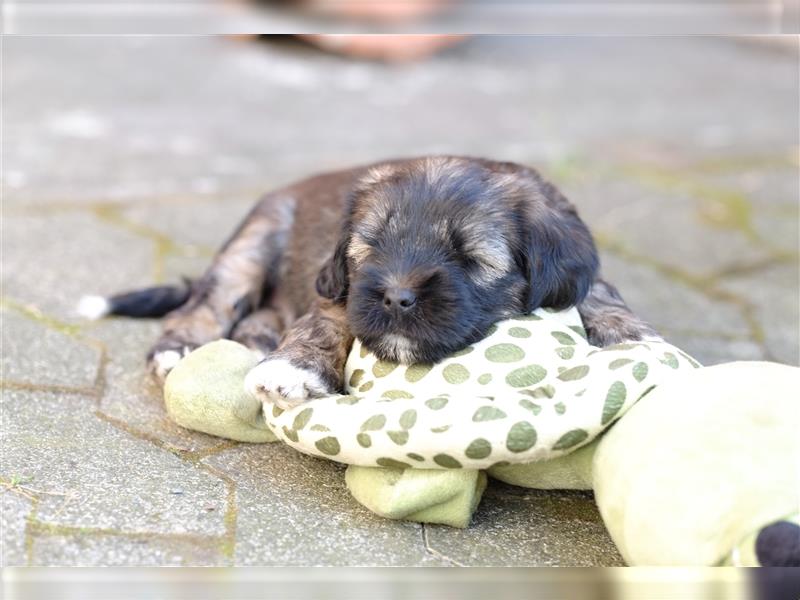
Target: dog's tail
(150, 302)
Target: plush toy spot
(579, 330)
(521, 437)
(290, 434)
(382, 368)
(455, 373)
(526, 376)
(670, 360)
(615, 399)
(436, 403)
(504, 353)
(355, 378)
(416, 372)
(519, 332)
(543, 391)
(640, 371)
(574, 373)
(408, 419)
(565, 352)
(619, 363)
(531, 406)
(479, 448)
(347, 400)
(392, 463)
(398, 437)
(446, 461)
(374, 423)
(302, 418)
(328, 445)
(625, 346)
(396, 394)
(485, 378)
(571, 439)
(563, 338)
(488, 413)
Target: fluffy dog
(417, 258)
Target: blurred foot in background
(384, 13)
(376, 11)
(389, 48)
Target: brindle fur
(294, 281)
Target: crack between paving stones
(433, 552)
(163, 245)
(225, 542)
(228, 545)
(701, 284)
(32, 313)
(24, 386)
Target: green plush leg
(572, 471)
(422, 495)
(205, 392)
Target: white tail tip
(93, 307)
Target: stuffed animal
(699, 467)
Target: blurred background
(564, 17)
(128, 160)
(135, 157)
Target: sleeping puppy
(417, 258)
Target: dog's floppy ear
(333, 280)
(559, 256)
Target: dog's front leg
(608, 320)
(309, 362)
(231, 288)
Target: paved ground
(128, 160)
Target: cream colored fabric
(534, 389)
(702, 461)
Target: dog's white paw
(163, 362)
(280, 382)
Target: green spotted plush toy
(533, 404)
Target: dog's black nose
(399, 299)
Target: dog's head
(434, 251)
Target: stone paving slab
(776, 308)
(295, 510)
(121, 551)
(670, 304)
(201, 224)
(670, 226)
(131, 397)
(14, 509)
(517, 527)
(99, 477)
(50, 261)
(36, 354)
